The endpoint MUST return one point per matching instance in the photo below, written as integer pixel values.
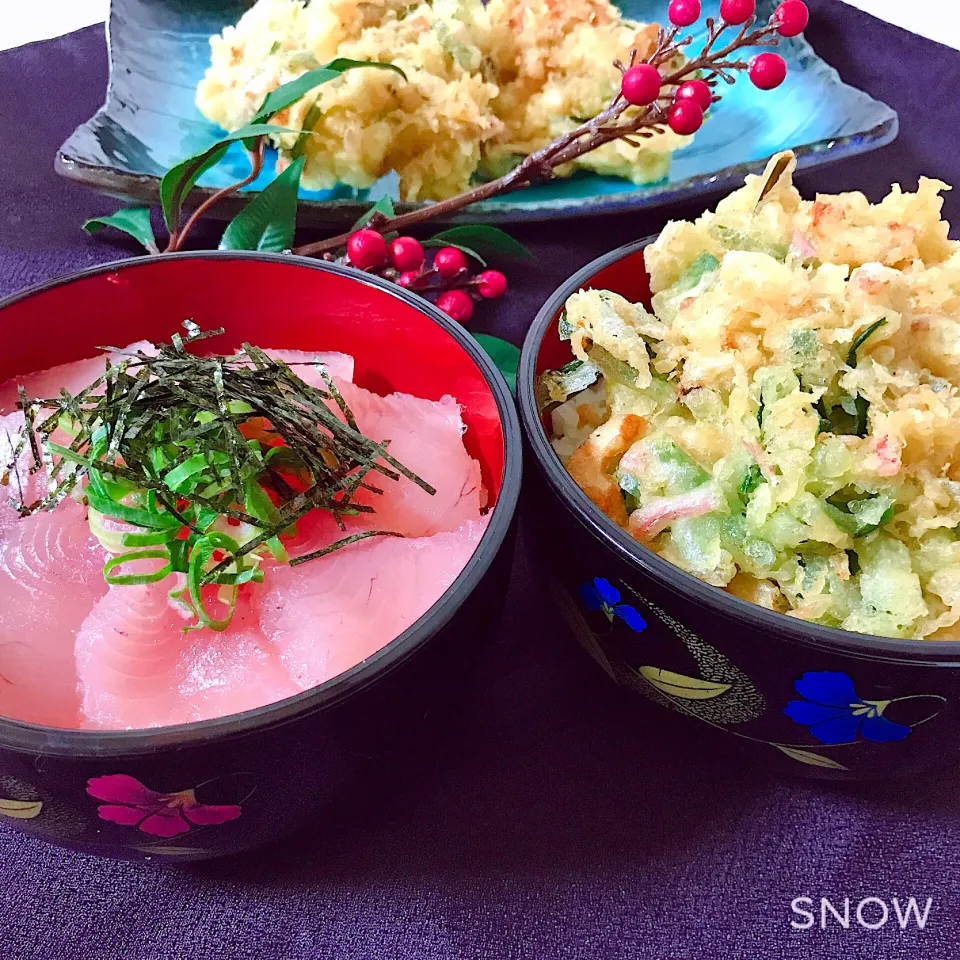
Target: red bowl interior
(270, 303)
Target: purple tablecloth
(555, 820)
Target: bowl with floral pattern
(809, 699)
(229, 783)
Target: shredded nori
(172, 427)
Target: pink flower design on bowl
(131, 804)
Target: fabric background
(554, 820)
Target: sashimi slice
(317, 530)
(303, 364)
(72, 377)
(50, 578)
(138, 669)
(22, 485)
(426, 436)
(327, 615)
(17, 484)
(233, 671)
(127, 654)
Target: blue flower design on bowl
(601, 595)
(835, 714)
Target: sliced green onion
(97, 485)
(199, 558)
(149, 539)
(278, 550)
(257, 503)
(254, 574)
(206, 518)
(136, 579)
(134, 515)
(176, 478)
(283, 457)
(67, 454)
(179, 558)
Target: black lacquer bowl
(217, 787)
(812, 699)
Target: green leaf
(290, 93)
(134, 221)
(810, 758)
(678, 685)
(345, 63)
(309, 122)
(469, 251)
(178, 181)
(485, 240)
(384, 205)
(861, 340)
(268, 221)
(505, 355)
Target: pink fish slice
(72, 377)
(426, 436)
(223, 673)
(18, 485)
(304, 365)
(329, 614)
(50, 578)
(128, 653)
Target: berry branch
(670, 89)
(675, 97)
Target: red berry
(367, 249)
(449, 261)
(406, 254)
(407, 278)
(793, 17)
(767, 70)
(491, 284)
(641, 85)
(682, 13)
(737, 11)
(456, 304)
(685, 117)
(697, 91)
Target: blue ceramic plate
(159, 51)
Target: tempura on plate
(486, 84)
